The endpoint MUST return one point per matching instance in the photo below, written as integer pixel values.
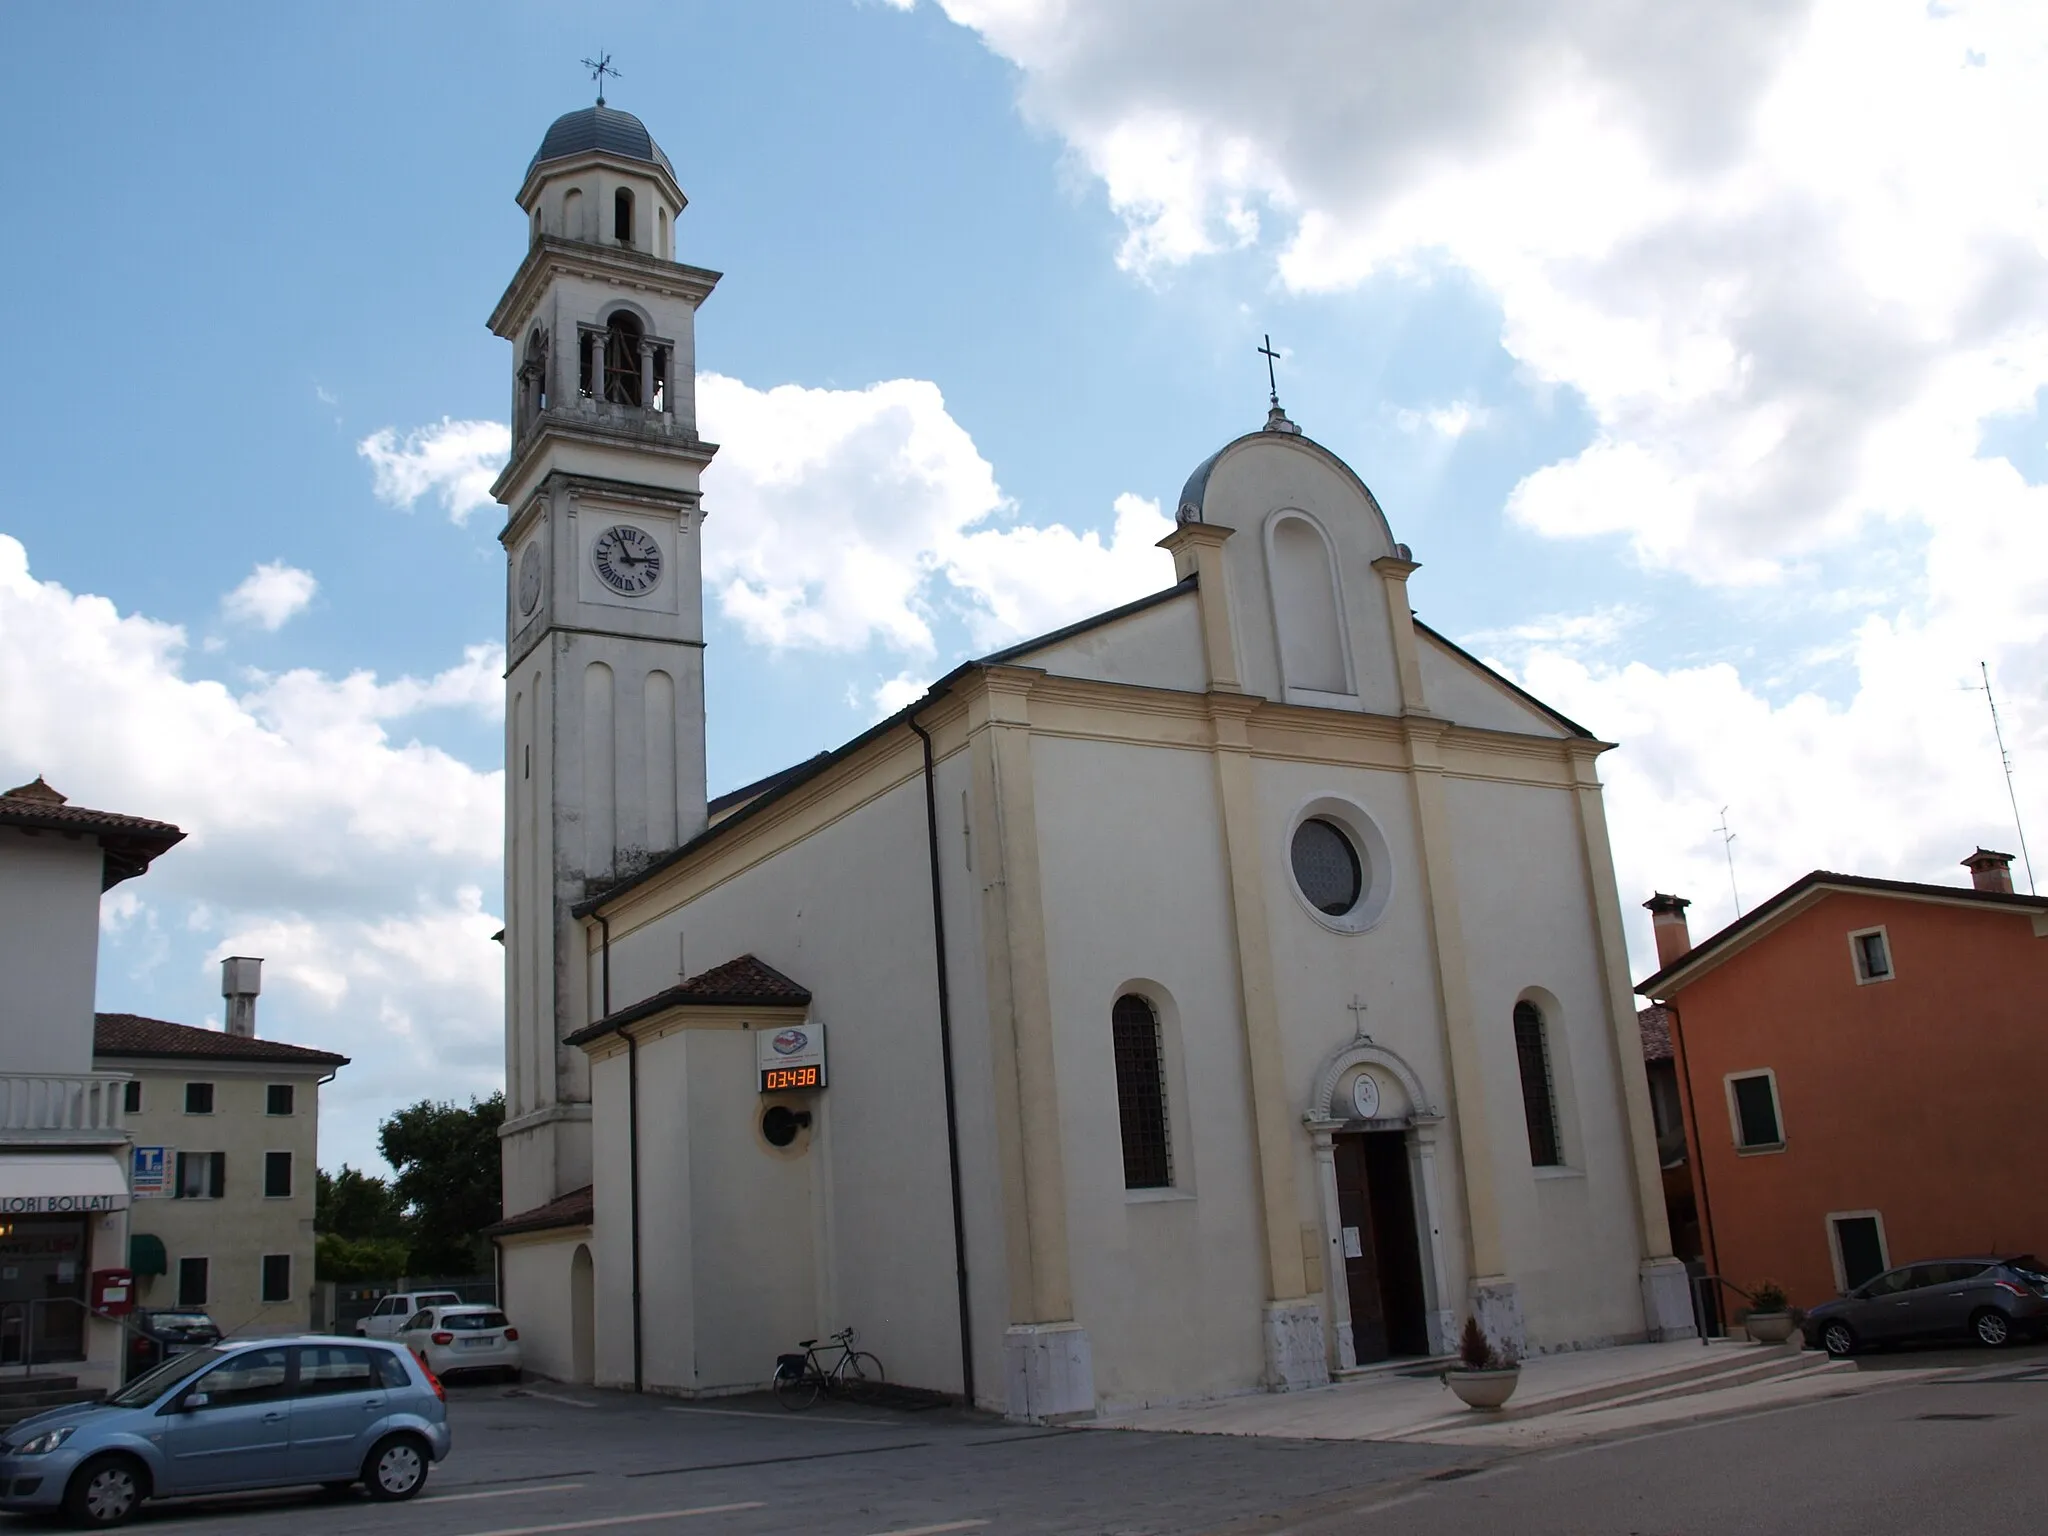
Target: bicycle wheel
(859, 1374)
(795, 1389)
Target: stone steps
(1720, 1365)
(22, 1396)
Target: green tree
(447, 1161)
(355, 1205)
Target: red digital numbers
(774, 1079)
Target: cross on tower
(599, 67)
(1272, 383)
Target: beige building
(1219, 994)
(232, 1124)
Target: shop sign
(151, 1177)
(60, 1205)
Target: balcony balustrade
(85, 1106)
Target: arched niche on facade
(1396, 1094)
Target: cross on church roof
(1272, 384)
(599, 67)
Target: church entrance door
(1382, 1260)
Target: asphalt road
(1963, 1452)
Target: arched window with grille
(1141, 1093)
(1539, 1092)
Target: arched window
(572, 214)
(1141, 1093)
(1305, 608)
(661, 231)
(622, 360)
(533, 378)
(1539, 1097)
(622, 216)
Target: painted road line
(612, 1520)
(934, 1530)
(556, 1397)
(771, 1461)
(786, 1416)
(499, 1493)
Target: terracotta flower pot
(1484, 1389)
(1769, 1327)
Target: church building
(1220, 994)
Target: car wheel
(1991, 1328)
(106, 1491)
(1838, 1339)
(396, 1468)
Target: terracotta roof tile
(129, 1034)
(128, 842)
(574, 1209)
(742, 983)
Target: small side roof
(128, 842)
(1805, 892)
(575, 1209)
(745, 982)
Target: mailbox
(113, 1292)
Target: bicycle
(800, 1378)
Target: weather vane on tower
(599, 67)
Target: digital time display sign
(791, 1059)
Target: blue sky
(1712, 411)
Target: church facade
(1222, 993)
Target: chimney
(1667, 919)
(240, 980)
(1990, 871)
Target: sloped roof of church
(600, 128)
(128, 842)
(745, 982)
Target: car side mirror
(193, 1400)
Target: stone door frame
(1326, 1119)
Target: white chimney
(240, 980)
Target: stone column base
(1440, 1328)
(1297, 1355)
(1048, 1373)
(1667, 1300)
(1497, 1303)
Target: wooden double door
(1382, 1257)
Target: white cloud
(356, 854)
(271, 594)
(1451, 421)
(455, 461)
(1780, 250)
(1026, 580)
(896, 692)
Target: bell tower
(604, 624)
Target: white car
(394, 1313)
(464, 1337)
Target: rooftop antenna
(2005, 761)
(599, 67)
(1728, 847)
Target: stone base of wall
(1048, 1373)
(1297, 1352)
(1667, 1300)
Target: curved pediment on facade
(1398, 1096)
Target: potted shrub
(1484, 1377)
(1770, 1320)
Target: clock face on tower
(627, 559)
(529, 578)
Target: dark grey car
(1990, 1300)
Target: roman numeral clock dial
(628, 560)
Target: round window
(1327, 867)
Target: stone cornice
(570, 425)
(550, 256)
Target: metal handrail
(27, 1312)
(1699, 1300)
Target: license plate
(477, 1343)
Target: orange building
(1863, 1068)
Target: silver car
(268, 1413)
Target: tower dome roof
(600, 128)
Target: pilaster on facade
(1197, 550)
(1394, 571)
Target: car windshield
(471, 1322)
(148, 1388)
(440, 1299)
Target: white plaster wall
(666, 1288)
(1572, 1235)
(1276, 471)
(848, 914)
(1158, 648)
(1462, 692)
(237, 1230)
(1169, 1286)
(49, 950)
(535, 1273)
